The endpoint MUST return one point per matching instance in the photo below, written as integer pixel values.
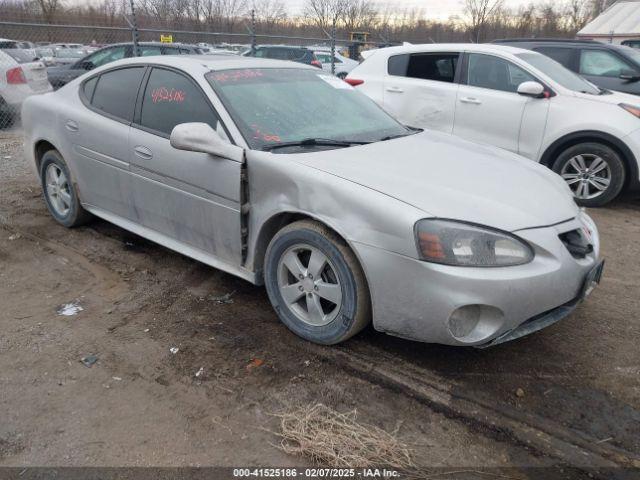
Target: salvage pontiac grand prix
(288, 177)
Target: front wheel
(594, 172)
(316, 284)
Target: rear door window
(171, 98)
(278, 53)
(116, 91)
(440, 67)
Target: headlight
(633, 110)
(456, 243)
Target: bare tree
(49, 9)
(578, 13)
(358, 14)
(324, 13)
(479, 13)
(269, 12)
(231, 11)
(600, 6)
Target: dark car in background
(609, 66)
(63, 74)
(280, 52)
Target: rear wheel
(7, 115)
(594, 172)
(316, 284)
(59, 191)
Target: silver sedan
(288, 177)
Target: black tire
(355, 310)
(7, 115)
(76, 215)
(614, 162)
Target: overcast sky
(432, 8)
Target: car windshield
(631, 53)
(558, 73)
(282, 105)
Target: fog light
(475, 323)
(464, 320)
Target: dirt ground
(141, 405)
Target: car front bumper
(632, 142)
(425, 301)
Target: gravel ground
(141, 405)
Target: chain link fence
(32, 53)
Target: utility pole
(134, 30)
(253, 32)
(333, 47)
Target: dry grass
(336, 439)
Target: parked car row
(67, 61)
(62, 74)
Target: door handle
(471, 100)
(71, 126)
(395, 90)
(143, 152)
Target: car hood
(614, 98)
(451, 178)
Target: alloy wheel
(309, 285)
(58, 190)
(588, 175)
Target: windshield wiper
(400, 135)
(314, 142)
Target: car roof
(563, 43)
(213, 61)
(453, 47)
(547, 40)
(159, 44)
(290, 47)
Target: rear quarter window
(89, 87)
(398, 65)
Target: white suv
(515, 99)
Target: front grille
(577, 243)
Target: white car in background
(515, 99)
(19, 78)
(343, 64)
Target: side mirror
(531, 89)
(200, 137)
(86, 65)
(629, 76)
